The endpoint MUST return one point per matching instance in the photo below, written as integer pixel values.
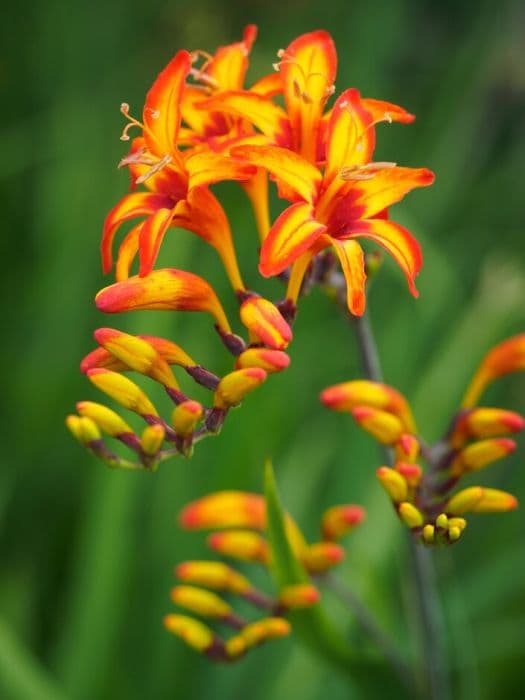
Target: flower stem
(430, 613)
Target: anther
(154, 169)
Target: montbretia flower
(476, 438)
(238, 523)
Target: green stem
(430, 613)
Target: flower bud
(410, 515)
(495, 501)
(442, 521)
(152, 439)
(339, 520)
(106, 419)
(428, 534)
(394, 483)
(269, 360)
(321, 556)
(480, 454)
(264, 320)
(213, 574)
(346, 396)
(485, 423)
(123, 390)
(186, 416)
(84, 429)
(169, 351)
(241, 544)
(302, 595)
(383, 426)
(464, 501)
(225, 509)
(194, 633)
(269, 628)
(201, 602)
(460, 523)
(407, 448)
(412, 473)
(235, 386)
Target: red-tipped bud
(186, 416)
(383, 426)
(225, 509)
(213, 574)
(464, 501)
(152, 439)
(485, 423)
(264, 320)
(346, 396)
(240, 544)
(201, 602)
(407, 448)
(235, 386)
(412, 473)
(321, 556)
(302, 595)
(482, 453)
(269, 360)
(261, 631)
(339, 520)
(165, 290)
(394, 483)
(123, 390)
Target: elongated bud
(213, 574)
(152, 439)
(361, 392)
(235, 386)
(480, 454)
(102, 358)
(412, 473)
(137, 354)
(337, 521)
(407, 448)
(460, 523)
(394, 483)
(321, 556)
(507, 357)
(464, 501)
(165, 290)
(383, 426)
(240, 544)
(84, 429)
(302, 595)
(264, 320)
(269, 628)
(106, 419)
(225, 509)
(186, 416)
(201, 602)
(123, 390)
(410, 515)
(495, 501)
(485, 423)
(270, 361)
(194, 633)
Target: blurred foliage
(88, 553)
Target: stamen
(154, 169)
(365, 172)
(140, 157)
(199, 74)
(124, 109)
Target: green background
(87, 553)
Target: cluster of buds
(200, 126)
(476, 438)
(238, 520)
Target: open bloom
(477, 437)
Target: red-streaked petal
(129, 207)
(294, 231)
(206, 167)
(165, 290)
(259, 110)
(386, 111)
(395, 239)
(308, 67)
(269, 85)
(296, 172)
(151, 235)
(202, 214)
(352, 261)
(228, 65)
(126, 253)
(162, 108)
(203, 121)
(350, 135)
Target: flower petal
(151, 235)
(162, 108)
(395, 239)
(129, 207)
(296, 172)
(269, 85)
(352, 261)
(206, 167)
(228, 66)
(386, 111)
(166, 290)
(294, 231)
(126, 253)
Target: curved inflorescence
(475, 439)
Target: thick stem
(430, 613)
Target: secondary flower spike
(424, 499)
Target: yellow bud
(213, 574)
(394, 484)
(185, 417)
(454, 533)
(480, 454)
(302, 595)
(339, 520)
(269, 360)
(382, 425)
(464, 500)
(199, 601)
(235, 386)
(193, 632)
(460, 523)
(152, 439)
(123, 390)
(442, 521)
(495, 501)
(428, 533)
(321, 556)
(106, 419)
(241, 544)
(269, 628)
(84, 429)
(235, 647)
(411, 515)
